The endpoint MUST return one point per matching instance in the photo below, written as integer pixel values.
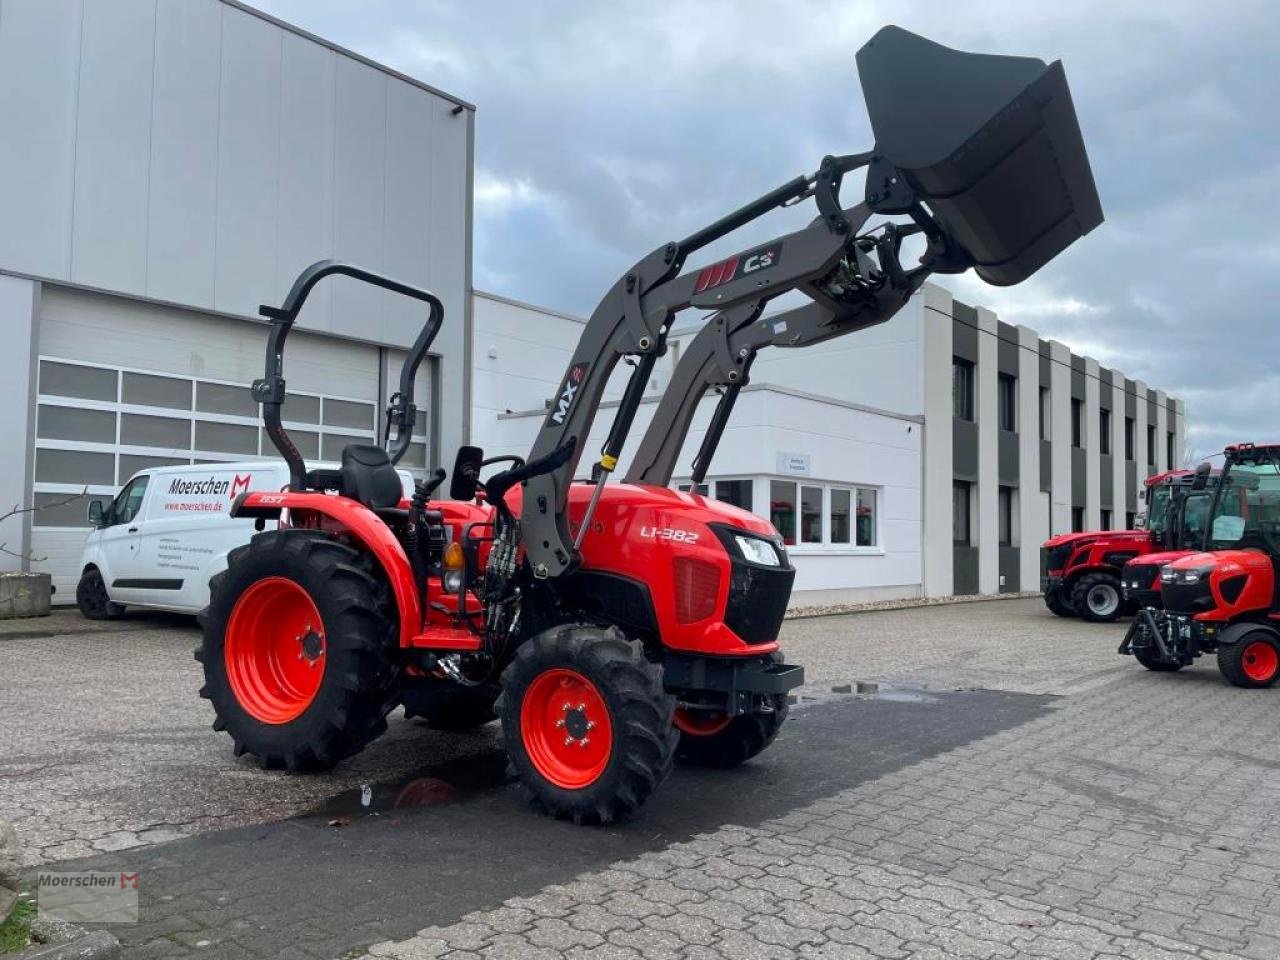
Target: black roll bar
(270, 390)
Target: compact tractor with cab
(1223, 600)
(1187, 520)
(1081, 573)
(612, 626)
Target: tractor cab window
(1247, 513)
(1195, 518)
(1158, 511)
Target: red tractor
(614, 627)
(1081, 572)
(1223, 600)
(1187, 525)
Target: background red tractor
(1187, 528)
(1223, 600)
(1080, 573)
(614, 626)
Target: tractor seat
(369, 477)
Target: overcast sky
(606, 129)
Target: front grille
(758, 599)
(1140, 576)
(1186, 597)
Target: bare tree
(18, 510)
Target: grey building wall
(201, 154)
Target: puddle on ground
(862, 690)
(456, 780)
(433, 786)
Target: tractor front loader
(618, 623)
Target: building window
(1130, 438)
(1005, 503)
(961, 388)
(782, 509)
(961, 533)
(810, 514)
(737, 492)
(700, 489)
(1007, 394)
(1077, 519)
(1106, 519)
(1129, 519)
(1104, 432)
(1046, 421)
(849, 518)
(1168, 446)
(1151, 445)
(1077, 422)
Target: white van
(167, 532)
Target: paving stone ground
(1085, 808)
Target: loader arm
(982, 153)
(721, 354)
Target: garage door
(99, 420)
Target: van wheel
(91, 597)
(296, 650)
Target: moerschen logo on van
(209, 487)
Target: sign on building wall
(793, 464)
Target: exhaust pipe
(989, 144)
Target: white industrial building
(909, 459)
(167, 167)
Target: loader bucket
(990, 144)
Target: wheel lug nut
(560, 722)
(568, 740)
(591, 724)
(583, 742)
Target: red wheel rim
(565, 726)
(275, 650)
(1259, 661)
(700, 723)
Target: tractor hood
(990, 144)
(1092, 536)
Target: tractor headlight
(1196, 575)
(758, 551)
(1167, 575)
(452, 581)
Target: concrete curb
(875, 606)
(98, 945)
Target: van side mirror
(97, 514)
(466, 473)
(1201, 479)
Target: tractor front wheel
(587, 723)
(1058, 604)
(1150, 659)
(1096, 597)
(712, 739)
(295, 650)
(1253, 661)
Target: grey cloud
(606, 129)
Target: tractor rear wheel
(1058, 604)
(295, 650)
(712, 739)
(1096, 597)
(91, 597)
(587, 722)
(1253, 661)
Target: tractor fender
(342, 514)
(1237, 631)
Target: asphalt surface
(1019, 790)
